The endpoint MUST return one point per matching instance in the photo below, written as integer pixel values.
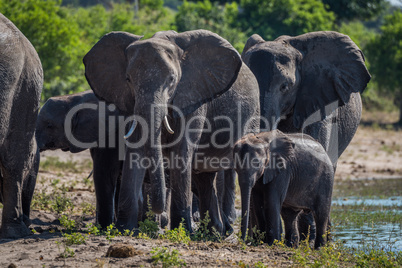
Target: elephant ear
(332, 68)
(281, 150)
(252, 41)
(105, 69)
(210, 65)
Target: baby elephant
(90, 125)
(290, 173)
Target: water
(387, 237)
(356, 201)
(375, 233)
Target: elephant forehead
(152, 45)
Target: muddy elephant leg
(289, 217)
(208, 199)
(29, 188)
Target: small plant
(88, 209)
(259, 265)
(111, 232)
(177, 235)
(257, 238)
(67, 223)
(74, 239)
(128, 232)
(62, 204)
(149, 226)
(203, 233)
(378, 258)
(166, 257)
(67, 252)
(92, 229)
(41, 201)
(55, 182)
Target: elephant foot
(196, 216)
(14, 231)
(27, 221)
(124, 226)
(163, 219)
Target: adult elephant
(20, 88)
(311, 84)
(215, 102)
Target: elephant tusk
(131, 131)
(166, 123)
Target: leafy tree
(54, 35)
(211, 16)
(272, 18)
(385, 55)
(346, 10)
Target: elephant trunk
(155, 157)
(271, 114)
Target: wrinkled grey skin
(200, 73)
(293, 174)
(21, 80)
(312, 84)
(51, 135)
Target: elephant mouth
(65, 149)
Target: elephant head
(51, 133)
(280, 154)
(304, 74)
(185, 70)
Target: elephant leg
(13, 225)
(321, 216)
(29, 188)
(229, 197)
(130, 191)
(209, 200)
(289, 217)
(257, 217)
(106, 170)
(164, 217)
(195, 208)
(307, 227)
(272, 213)
(181, 197)
(226, 190)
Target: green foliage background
(63, 31)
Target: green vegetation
(168, 258)
(177, 235)
(54, 164)
(63, 31)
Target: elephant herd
(181, 113)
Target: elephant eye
(49, 125)
(284, 88)
(128, 79)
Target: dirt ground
(373, 153)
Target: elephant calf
(290, 173)
(85, 128)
